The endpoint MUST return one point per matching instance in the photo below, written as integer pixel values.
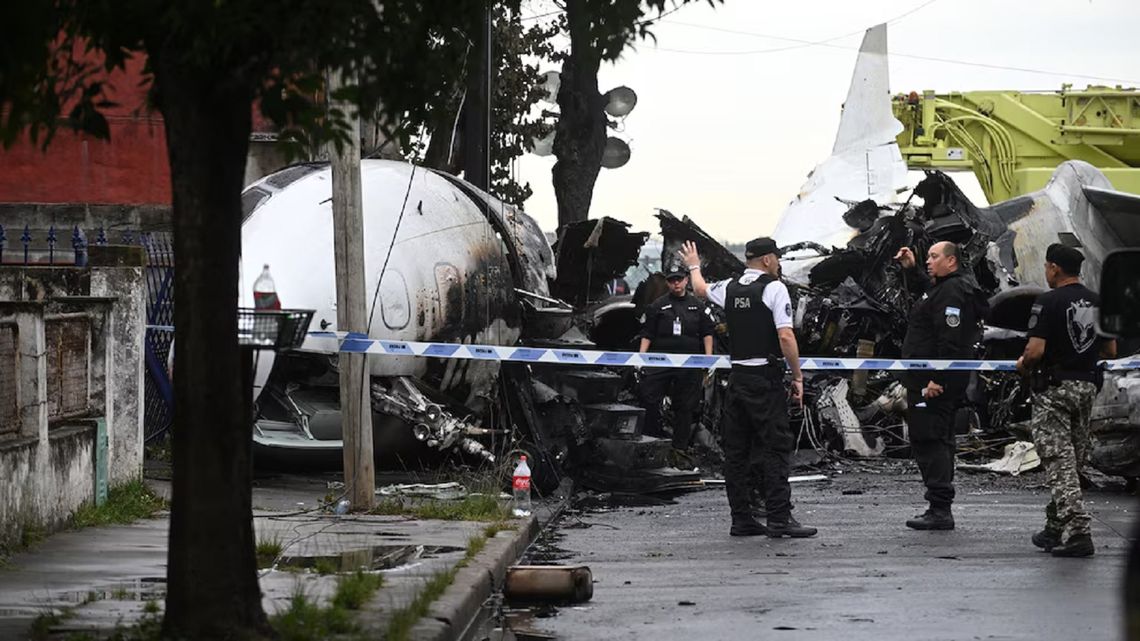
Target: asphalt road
(672, 572)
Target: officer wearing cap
(758, 311)
(1062, 350)
(943, 324)
(676, 323)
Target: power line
(826, 42)
(640, 22)
(803, 43)
(542, 15)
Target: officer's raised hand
(689, 255)
(905, 257)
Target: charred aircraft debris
(445, 262)
(501, 286)
(855, 301)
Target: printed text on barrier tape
(332, 342)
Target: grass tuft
(353, 590)
(42, 624)
(125, 504)
(402, 622)
(325, 566)
(474, 507)
(304, 620)
(268, 550)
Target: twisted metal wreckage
(463, 267)
(445, 262)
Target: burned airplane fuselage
(442, 263)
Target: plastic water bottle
(520, 482)
(265, 292)
(342, 506)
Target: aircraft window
(395, 309)
(251, 199)
(290, 175)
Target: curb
(457, 608)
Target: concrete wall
(45, 480)
(49, 466)
(125, 363)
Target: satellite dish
(620, 101)
(543, 146)
(615, 154)
(551, 81)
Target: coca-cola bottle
(520, 484)
(265, 292)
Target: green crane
(1013, 140)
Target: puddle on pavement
(521, 624)
(595, 502)
(377, 557)
(144, 589)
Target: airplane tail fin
(867, 120)
(865, 162)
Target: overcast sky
(727, 137)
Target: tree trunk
(581, 131)
(212, 586)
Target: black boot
(1077, 545)
(746, 526)
(932, 519)
(789, 527)
(1047, 539)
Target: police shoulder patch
(1034, 312)
(953, 316)
(788, 309)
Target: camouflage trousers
(1060, 429)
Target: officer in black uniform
(759, 315)
(1062, 353)
(676, 323)
(944, 324)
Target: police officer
(943, 324)
(1062, 349)
(676, 323)
(759, 316)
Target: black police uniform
(756, 410)
(674, 325)
(1066, 318)
(944, 324)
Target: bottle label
(266, 301)
(521, 482)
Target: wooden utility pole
(351, 309)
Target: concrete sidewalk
(105, 576)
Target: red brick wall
(131, 168)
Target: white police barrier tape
(333, 342)
(330, 342)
